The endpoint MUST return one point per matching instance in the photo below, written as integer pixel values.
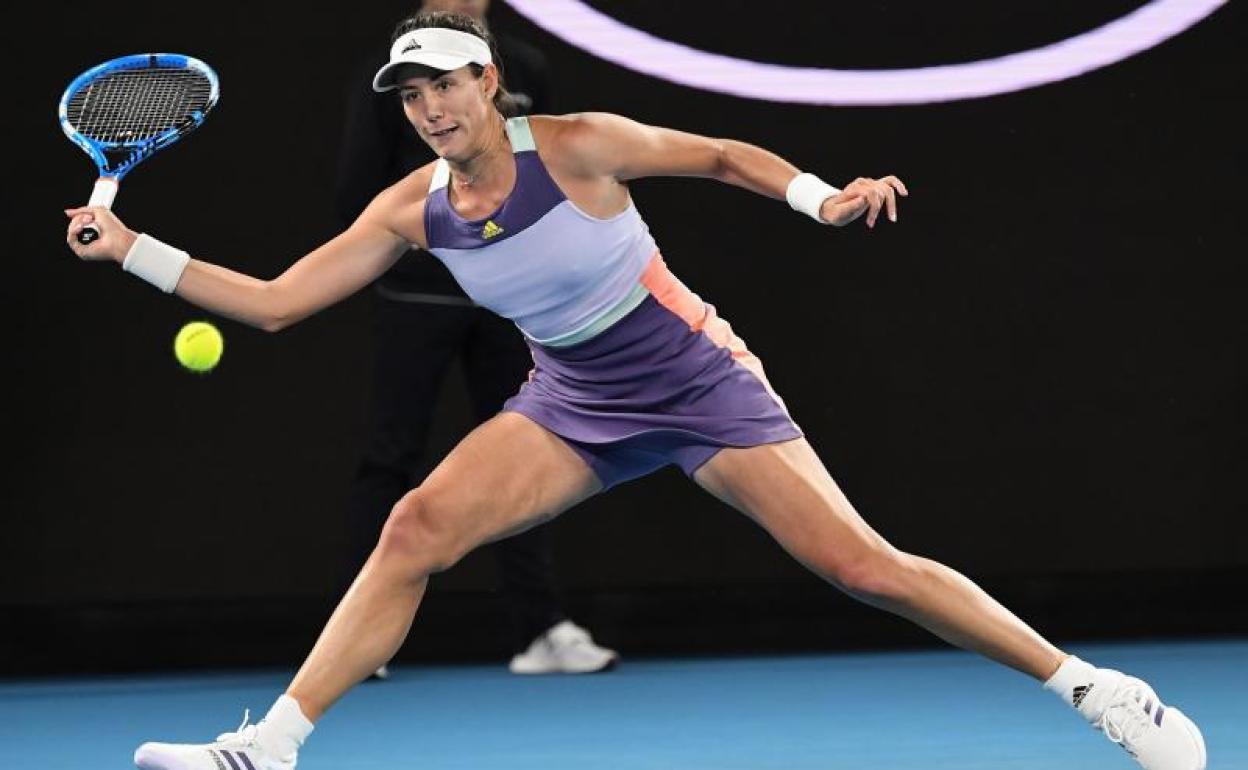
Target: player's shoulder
(400, 208)
(396, 202)
(415, 186)
(578, 143)
(575, 127)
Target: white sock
(283, 730)
(1083, 686)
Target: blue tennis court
(926, 710)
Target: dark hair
(504, 101)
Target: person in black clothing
(422, 323)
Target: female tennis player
(633, 371)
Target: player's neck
(491, 167)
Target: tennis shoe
(1157, 736)
(238, 750)
(564, 648)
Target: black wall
(1034, 376)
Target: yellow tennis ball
(198, 346)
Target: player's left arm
(625, 149)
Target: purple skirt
(651, 391)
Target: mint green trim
(441, 175)
(520, 135)
(602, 322)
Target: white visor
(435, 47)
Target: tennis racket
(124, 110)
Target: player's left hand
(870, 196)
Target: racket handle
(102, 195)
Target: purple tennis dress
(632, 369)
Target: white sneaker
(231, 751)
(1157, 736)
(565, 648)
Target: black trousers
(416, 341)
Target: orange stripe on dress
(669, 292)
(672, 294)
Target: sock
(1083, 686)
(283, 730)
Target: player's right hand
(843, 208)
(864, 196)
(115, 238)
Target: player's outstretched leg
(506, 475)
(786, 489)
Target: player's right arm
(328, 274)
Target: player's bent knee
(418, 537)
(880, 574)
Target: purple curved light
(610, 39)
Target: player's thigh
(788, 491)
(505, 476)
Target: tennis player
(633, 371)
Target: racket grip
(103, 194)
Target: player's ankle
(284, 729)
(1083, 686)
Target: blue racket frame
(144, 148)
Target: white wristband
(157, 263)
(807, 192)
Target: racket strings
(137, 105)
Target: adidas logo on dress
(491, 230)
(1081, 692)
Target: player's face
(474, 8)
(451, 111)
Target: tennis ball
(198, 346)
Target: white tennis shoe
(565, 648)
(1157, 736)
(238, 750)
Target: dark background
(1035, 376)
